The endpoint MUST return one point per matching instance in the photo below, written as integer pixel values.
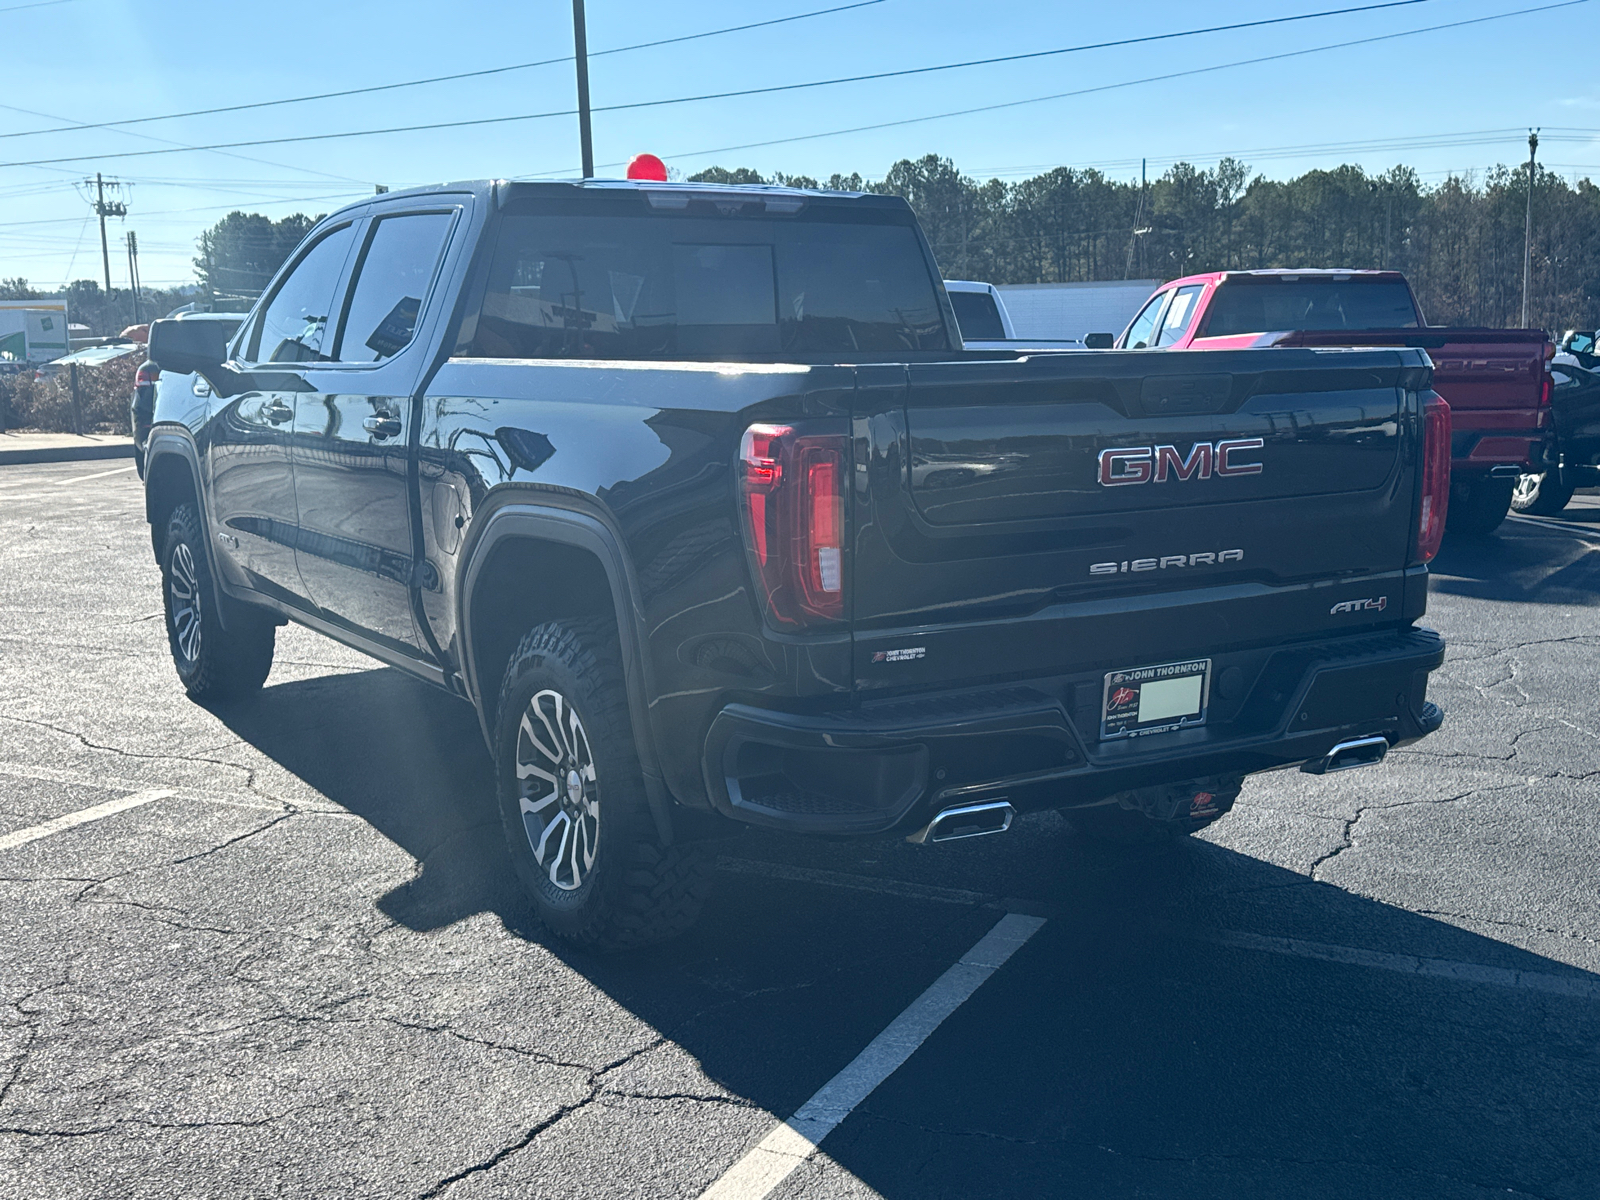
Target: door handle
(278, 412)
(382, 426)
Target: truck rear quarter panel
(650, 449)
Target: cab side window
(1144, 325)
(294, 326)
(392, 283)
(1180, 315)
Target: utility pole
(1138, 229)
(114, 209)
(133, 271)
(580, 45)
(1527, 234)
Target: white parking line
(22, 837)
(1352, 956)
(1407, 964)
(789, 1144)
(86, 478)
(1582, 532)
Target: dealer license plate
(1157, 699)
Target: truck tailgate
(1042, 516)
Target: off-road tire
(213, 663)
(1541, 495)
(631, 891)
(1478, 507)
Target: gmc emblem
(1123, 466)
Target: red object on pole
(647, 166)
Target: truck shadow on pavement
(1123, 1051)
(1522, 563)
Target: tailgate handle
(1170, 395)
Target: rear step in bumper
(902, 765)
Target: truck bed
(1493, 379)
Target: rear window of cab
(641, 284)
(1246, 306)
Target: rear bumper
(1485, 439)
(891, 765)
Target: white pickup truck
(985, 324)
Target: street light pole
(1527, 232)
(580, 45)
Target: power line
(387, 87)
(184, 146)
(203, 208)
(567, 112)
(1480, 137)
(1243, 62)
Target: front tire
(1478, 506)
(212, 662)
(1542, 494)
(572, 799)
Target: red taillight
(148, 373)
(791, 485)
(1434, 499)
(1545, 390)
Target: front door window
(1144, 325)
(294, 326)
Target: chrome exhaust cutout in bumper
(1347, 756)
(966, 821)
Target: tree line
(1460, 242)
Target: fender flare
(549, 520)
(164, 442)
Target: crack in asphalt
(1574, 935)
(147, 1123)
(1347, 836)
(249, 773)
(596, 1092)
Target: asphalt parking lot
(295, 962)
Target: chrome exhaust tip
(1347, 756)
(966, 821)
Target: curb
(55, 454)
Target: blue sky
(1468, 95)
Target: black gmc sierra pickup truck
(695, 495)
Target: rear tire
(572, 799)
(212, 662)
(1477, 507)
(1542, 495)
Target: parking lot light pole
(580, 46)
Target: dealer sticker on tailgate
(1155, 699)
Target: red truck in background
(1495, 380)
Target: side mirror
(188, 347)
(1098, 341)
